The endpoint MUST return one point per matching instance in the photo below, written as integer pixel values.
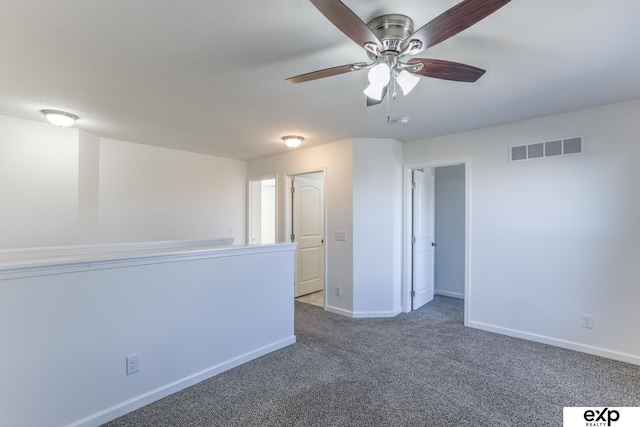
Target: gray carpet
(417, 369)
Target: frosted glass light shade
(380, 75)
(292, 141)
(374, 91)
(60, 118)
(407, 81)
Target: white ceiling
(208, 76)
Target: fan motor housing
(391, 30)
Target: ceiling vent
(554, 148)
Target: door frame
(287, 182)
(407, 222)
(250, 204)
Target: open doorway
(436, 234)
(306, 227)
(449, 231)
(262, 211)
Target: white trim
(467, 242)
(340, 311)
(571, 345)
(137, 402)
(406, 232)
(62, 265)
(363, 314)
(287, 179)
(82, 250)
(376, 314)
(450, 294)
(407, 219)
(249, 204)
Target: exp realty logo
(604, 417)
(601, 417)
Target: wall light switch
(587, 321)
(341, 236)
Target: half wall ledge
(69, 320)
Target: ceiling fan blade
(327, 72)
(371, 101)
(347, 21)
(458, 18)
(447, 70)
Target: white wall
(38, 184)
(153, 193)
(65, 186)
(449, 231)
(364, 198)
(377, 227)
(88, 188)
(65, 336)
(336, 159)
(554, 238)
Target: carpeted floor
(417, 369)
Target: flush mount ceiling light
(292, 141)
(60, 118)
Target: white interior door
(423, 231)
(308, 232)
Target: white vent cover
(538, 150)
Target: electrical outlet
(587, 321)
(133, 363)
(338, 291)
(341, 236)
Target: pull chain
(393, 94)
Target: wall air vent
(539, 150)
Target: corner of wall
(88, 187)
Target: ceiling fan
(387, 39)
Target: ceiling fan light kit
(387, 39)
(379, 77)
(407, 81)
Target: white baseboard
(363, 314)
(450, 294)
(571, 345)
(370, 314)
(139, 401)
(340, 311)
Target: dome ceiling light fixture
(60, 118)
(292, 141)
